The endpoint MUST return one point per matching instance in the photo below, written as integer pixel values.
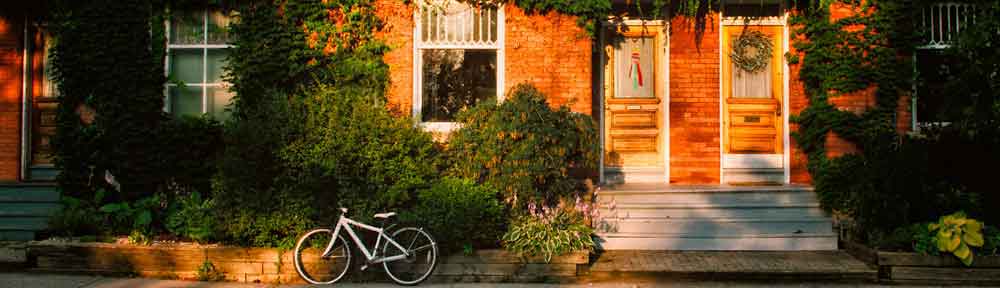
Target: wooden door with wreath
(752, 84)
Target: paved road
(16, 280)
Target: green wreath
(752, 51)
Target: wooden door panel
(633, 130)
(753, 125)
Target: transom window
(196, 52)
(459, 52)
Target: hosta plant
(549, 231)
(958, 234)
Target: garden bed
(915, 268)
(266, 265)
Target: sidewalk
(33, 280)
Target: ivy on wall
(94, 39)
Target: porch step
(634, 175)
(25, 208)
(753, 176)
(662, 217)
(43, 173)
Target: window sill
(440, 127)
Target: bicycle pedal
(364, 267)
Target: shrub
(134, 218)
(353, 153)
(523, 147)
(190, 148)
(192, 217)
(78, 217)
(459, 213)
(549, 232)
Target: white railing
(942, 23)
(454, 25)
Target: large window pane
(456, 79)
(634, 66)
(187, 27)
(218, 23)
(186, 66)
(185, 100)
(216, 62)
(218, 99)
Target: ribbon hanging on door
(635, 72)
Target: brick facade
(694, 104)
(11, 65)
(547, 50)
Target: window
(634, 61)
(459, 52)
(941, 23)
(196, 52)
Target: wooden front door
(752, 103)
(633, 114)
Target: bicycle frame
(345, 224)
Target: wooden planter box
(902, 267)
(263, 265)
(913, 268)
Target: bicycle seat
(385, 215)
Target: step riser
(715, 229)
(720, 244)
(28, 209)
(754, 213)
(777, 198)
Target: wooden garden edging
(263, 265)
(913, 268)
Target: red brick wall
(398, 34)
(547, 50)
(551, 52)
(694, 104)
(11, 32)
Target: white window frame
(419, 46)
(204, 47)
(938, 39)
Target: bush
(353, 153)
(247, 189)
(549, 232)
(78, 217)
(460, 214)
(524, 147)
(192, 217)
(190, 149)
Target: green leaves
(523, 147)
(549, 234)
(958, 234)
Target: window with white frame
(196, 53)
(459, 58)
(941, 23)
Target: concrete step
(25, 208)
(43, 173)
(28, 193)
(640, 211)
(634, 175)
(753, 176)
(770, 242)
(721, 198)
(731, 227)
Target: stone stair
(662, 217)
(25, 209)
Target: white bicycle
(322, 256)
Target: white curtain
(751, 85)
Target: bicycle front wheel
(421, 259)
(316, 268)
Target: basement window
(459, 55)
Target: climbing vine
(889, 182)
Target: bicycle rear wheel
(420, 262)
(320, 269)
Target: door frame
(664, 68)
(786, 139)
